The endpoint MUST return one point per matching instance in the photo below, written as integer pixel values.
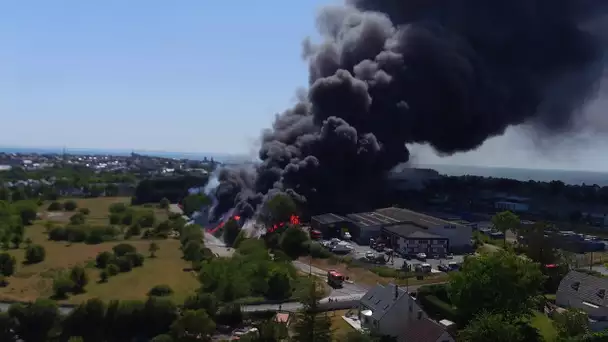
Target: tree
(62, 286)
(103, 276)
(35, 322)
(123, 248)
(84, 211)
(103, 259)
(77, 219)
(87, 320)
(160, 291)
(7, 327)
(571, 323)
(114, 218)
(292, 241)
(113, 270)
(194, 202)
(34, 254)
(231, 231)
(70, 205)
(496, 328)
(164, 203)
(146, 219)
(17, 239)
(310, 325)
(192, 251)
(7, 264)
(505, 221)
(278, 209)
(205, 301)
(279, 284)
(498, 282)
(152, 249)
(79, 278)
(117, 208)
(27, 210)
(159, 314)
(162, 338)
(192, 324)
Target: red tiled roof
(423, 330)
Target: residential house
(385, 309)
(425, 330)
(585, 292)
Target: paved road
(349, 289)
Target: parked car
(450, 256)
(443, 268)
(421, 256)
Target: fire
(237, 217)
(294, 219)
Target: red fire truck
(335, 279)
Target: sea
(544, 175)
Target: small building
(385, 309)
(588, 293)
(366, 226)
(329, 224)
(410, 240)
(425, 330)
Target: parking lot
(360, 251)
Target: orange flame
(237, 217)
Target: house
(425, 330)
(585, 292)
(384, 309)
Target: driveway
(348, 289)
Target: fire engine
(334, 278)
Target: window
(575, 285)
(601, 293)
(423, 242)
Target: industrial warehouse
(407, 232)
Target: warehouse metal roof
(410, 231)
(329, 218)
(405, 215)
(370, 219)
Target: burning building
(446, 73)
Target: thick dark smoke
(448, 73)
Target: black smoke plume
(448, 73)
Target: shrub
(123, 248)
(77, 218)
(112, 270)
(70, 205)
(435, 307)
(84, 211)
(75, 233)
(103, 276)
(147, 219)
(118, 208)
(58, 234)
(103, 259)
(79, 278)
(55, 206)
(34, 254)
(134, 230)
(114, 218)
(7, 264)
(160, 291)
(94, 237)
(61, 287)
(124, 264)
(317, 251)
(137, 259)
(164, 203)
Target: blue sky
(188, 75)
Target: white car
(347, 236)
(421, 256)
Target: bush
(75, 233)
(103, 259)
(146, 219)
(164, 203)
(70, 205)
(94, 237)
(55, 206)
(317, 251)
(136, 259)
(439, 309)
(58, 234)
(61, 287)
(84, 211)
(34, 254)
(79, 278)
(118, 208)
(134, 230)
(160, 291)
(114, 218)
(112, 270)
(77, 218)
(123, 249)
(103, 276)
(124, 264)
